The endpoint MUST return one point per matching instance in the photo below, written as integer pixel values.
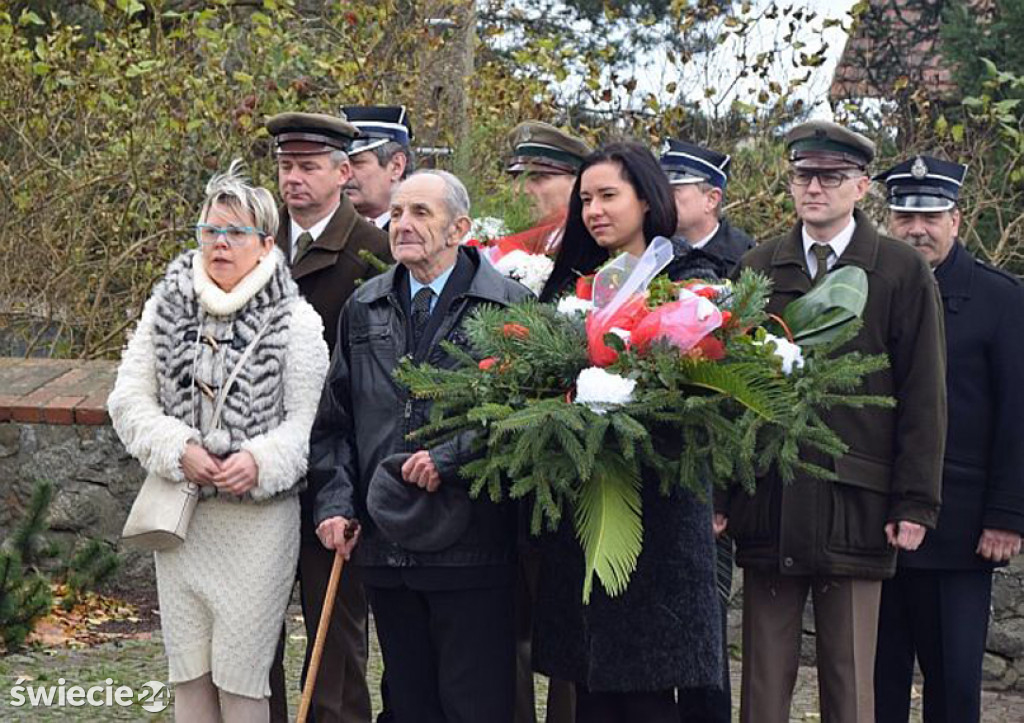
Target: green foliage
(116, 113)
(90, 566)
(24, 592)
(973, 42)
(608, 524)
(691, 421)
(28, 564)
(822, 313)
(24, 598)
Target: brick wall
(55, 391)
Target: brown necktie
(302, 244)
(821, 253)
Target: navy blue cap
(685, 163)
(378, 124)
(923, 183)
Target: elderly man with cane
(438, 566)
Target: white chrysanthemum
(487, 228)
(600, 390)
(791, 355)
(570, 305)
(531, 270)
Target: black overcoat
(983, 470)
(665, 630)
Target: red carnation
(474, 243)
(487, 363)
(517, 331)
(585, 287)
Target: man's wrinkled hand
(419, 470)
(904, 535)
(998, 545)
(340, 534)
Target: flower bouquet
(692, 382)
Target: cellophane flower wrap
(573, 406)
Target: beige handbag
(162, 510)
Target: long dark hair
(579, 253)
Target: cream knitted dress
(223, 593)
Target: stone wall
(53, 426)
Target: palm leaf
(609, 524)
(746, 384)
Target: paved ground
(134, 662)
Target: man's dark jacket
(328, 272)
(983, 471)
(718, 258)
(892, 470)
(365, 414)
(326, 276)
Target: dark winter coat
(326, 276)
(892, 470)
(983, 470)
(663, 632)
(365, 414)
(717, 259)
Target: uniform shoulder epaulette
(1011, 277)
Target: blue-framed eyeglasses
(208, 234)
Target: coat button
(788, 562)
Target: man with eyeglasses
(322, 235)
(838, 539)
(936, 608)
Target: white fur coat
(190, 332)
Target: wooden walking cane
(325, 622)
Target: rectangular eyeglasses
(208, 234)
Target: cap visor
(920, 204)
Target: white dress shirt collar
(315, 230)
(839, 242)
(707, 239)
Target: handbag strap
(215, 421)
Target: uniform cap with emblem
(378, 124)
(686, 163)
(310, 134)
(542, 148)
(828, 146)
(923, 184)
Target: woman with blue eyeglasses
(219, 386)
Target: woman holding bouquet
(628, 654)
